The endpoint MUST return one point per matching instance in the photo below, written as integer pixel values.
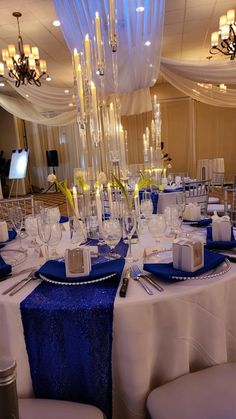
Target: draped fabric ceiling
(138, 65)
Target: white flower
(101, 178)
(51, 178)
(169, 166)
(79, 174)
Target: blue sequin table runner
(68, 335)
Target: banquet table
(188, 327)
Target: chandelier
(224, 40)
(25, 66)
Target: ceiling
(187, 30)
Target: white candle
(147, 136)
(99, 208)
(94, 105)
(112, 17)
(80, 89)
(136, 200)
(98, 37)
(75, 199)
(155, 103)
(122, 150)
(112, 127)
(110, 199)
(151, 156)
(87, 56)
(76, 60)
(164, 173)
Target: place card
(188, 255)
(77, 262)
(3, 231)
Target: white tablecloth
(188, 327)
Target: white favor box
(78, 262)
(192, 212)
(221, 230)
(188, 255)
(3, 231)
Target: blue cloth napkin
(210, 244)
(68, 333)
(166, 270)
(55, 270)
(169, 190)
(12, 236)
(63, 219)
(200, 223)
(5, 269)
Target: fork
(135, 275)
(139, 273)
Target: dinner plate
(13, 257)
(222, 269)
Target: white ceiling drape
(197, 80)
(206, 72)
(24, 110)
(138, 64)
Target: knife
(125, 283)
(23, 283)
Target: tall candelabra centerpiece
(152, 154)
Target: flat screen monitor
(19, 161)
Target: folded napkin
(173, 189)
(12, 236)
(55, 270)
(5, 269)
(166, 270)
(210, 244)
(63, 219)
(200, 223)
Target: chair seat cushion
(213, 200)
(206, 394)
(55, 409)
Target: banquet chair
(230, 204)
(25, 203)
(205, 394)
(57, 409)
(197, 192)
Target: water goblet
(129, 221)
(44, 230)
(171, 215)
(53, 214)
(157, 226)
(111, 232)
(16, 218)
(55, 237)
(31, 227)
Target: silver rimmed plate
(221, 269)
(92, 281)
(13, 257)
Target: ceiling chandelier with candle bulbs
(224, 40)
(23, 66)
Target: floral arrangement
(63, 188)
(144, 181)
(79, 179)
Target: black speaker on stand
(52, 161)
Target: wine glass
(171, 215)
(181, 204)
(111, 232)
(55, 237)
(16, 218)
(53, 214)
(31, 227)
(157, 226)
(44, 231)
(129, 221)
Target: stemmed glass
(171, 214)
(157, 226)
(146, 205)
(16, 218)
(56, 234)
(111, 232)
(53, 214)
(31, 227)
(129, 221)
(44, 231)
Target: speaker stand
(53, 185)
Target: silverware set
(141, 277)
(13, 289)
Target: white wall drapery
(133, 56)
